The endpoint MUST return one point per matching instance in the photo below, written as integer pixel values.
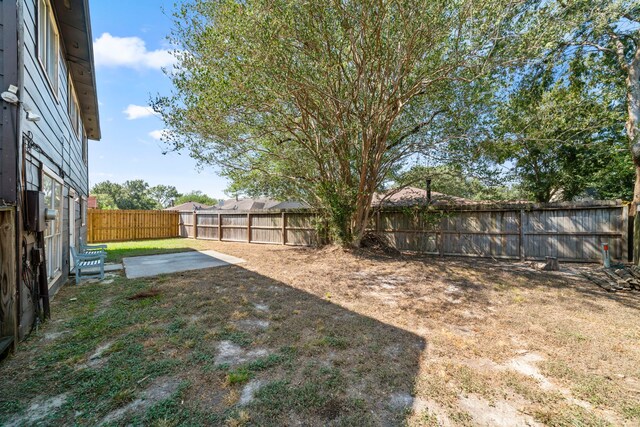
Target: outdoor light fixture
(10, 95)
(33, 117)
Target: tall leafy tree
(164, 195)
(137, 196)
(133, 194)
(196, 196)
(452, 180)
(321, 99)
(560, 127)
(105, 201)
(109, 192)
(608, 30)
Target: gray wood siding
(54, 132)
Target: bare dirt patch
(498, 413)
(160, 389)
(300, 336)
(506, 316)
(38, 410)
(232, 354)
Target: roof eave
(74, 21)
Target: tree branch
(415, 130)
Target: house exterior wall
(53, 145)
(50, 146)
(8, 75)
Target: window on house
(74, 110)
(85, 148)
(83, 210)
(48, 42)
(52, 188)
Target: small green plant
(241, 338)
(331, 341)
(239, 376)
(632, 411)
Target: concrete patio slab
(153, 265)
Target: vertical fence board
(571, 233)
(122, 225)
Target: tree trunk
(634, 211)
(362, 213)
(633, 134)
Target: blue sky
(130, 47)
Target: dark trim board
(8, 134)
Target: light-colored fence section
(288, 228)
(123, 225)
(531, 232)
(570, 232)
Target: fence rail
(529, 232)
(570, 232)
(285, 228)
(122, 225)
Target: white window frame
(47, 30)
(53, 233)
(85, 149)
(73, 203)
(83, 210)
(73, 108)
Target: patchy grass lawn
(118, 250)
(328, 337)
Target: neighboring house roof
(92, 202)
(291, 205)
(412, 196)
(258, 204)
(188, 206)
(75, 31)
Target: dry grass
(344, 338)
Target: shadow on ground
(487, 270)
(217, 346)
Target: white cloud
(113, 51)
(138, 111)
(158, 134)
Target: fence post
(625, 233)
(248, 228)
(219, 227)
(195, 225)
(441, 245)
(521, 230)
(284, 228)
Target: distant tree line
(138, 194)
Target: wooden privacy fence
(570, 232)
(285, 228)
(122, 225)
